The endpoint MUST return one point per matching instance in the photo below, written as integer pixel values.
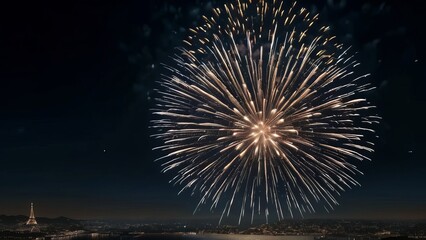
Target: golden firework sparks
(262, 108)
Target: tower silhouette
(31, 219)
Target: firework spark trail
(261, 111)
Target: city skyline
(78, 85)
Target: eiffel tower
(32, 220)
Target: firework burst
(261, 110)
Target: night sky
(77, 82)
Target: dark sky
(76, 85)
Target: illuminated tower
(32, 220)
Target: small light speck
(416, 60)
(410, 151)
(153, 66)
(104, 150)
